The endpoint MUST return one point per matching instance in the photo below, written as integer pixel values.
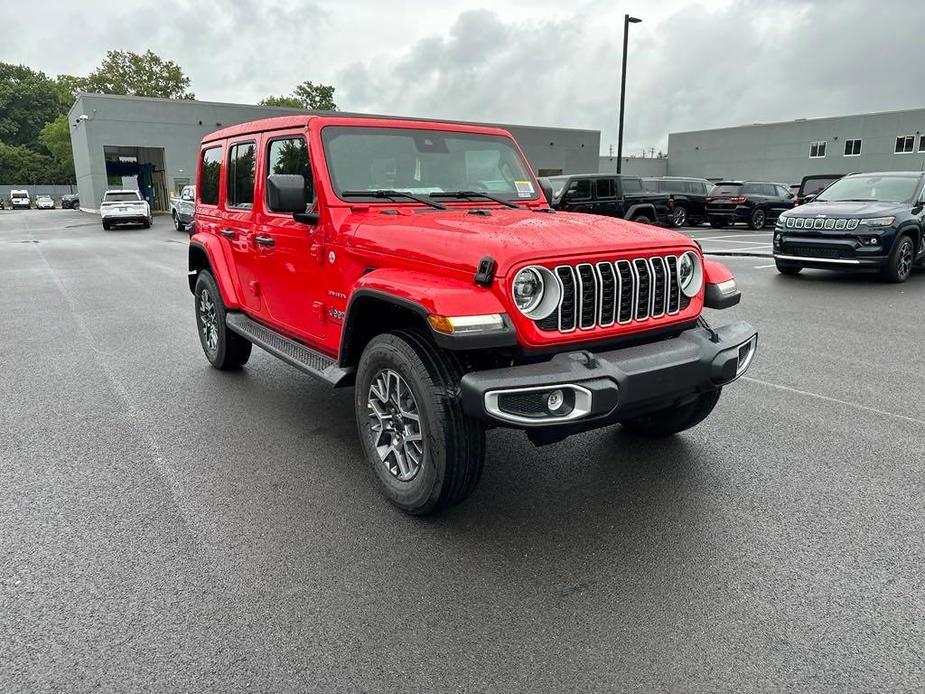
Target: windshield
(814, 185)
(425, 162)
(17, 196)
(726, 189)
(871, 188)
(44, 198)
(122, 197)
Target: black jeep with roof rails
(872, 221)
(612, 195)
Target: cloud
(699, 66)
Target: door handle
(227, 233)
(265, 240)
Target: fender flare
(420, 294)
(206, 252)
(913, 229)
(641, 207)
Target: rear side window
(674, 187)
(290, 156)
(208, 175)
(632, 185)
(650, 185)
(604, 188)
(242, 168)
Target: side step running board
(292, 352)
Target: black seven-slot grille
(607, 293)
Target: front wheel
(785, 267)
(899, 265)
(758, 219)
(679, 217)
(675, 419)
(177, 224)
(224, 349)
(426, 453)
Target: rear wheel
(758, 219)
(675, 419)
(679, 217)
(224, 349)
(899, 265)
(785, 267)
(177, 224)
(642, 219)
(426, 453)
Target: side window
(604, 188)
(579, 190)
(290, 156)
(782, 192)
(242, 167)
(769, 189)
(209, 169)
(751, 189)
(632, 185)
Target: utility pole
(627, 20)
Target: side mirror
(546, 187)
(286, 193)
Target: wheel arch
(639, 208)
(372, 312)
(204, 255)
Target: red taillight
(738, 199)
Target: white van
(20, 198)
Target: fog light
(554, 401)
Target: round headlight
(690, 274)
(528, 289)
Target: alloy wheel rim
(759, 218)
(394, 425)
(680, 216)
(208, 320)
(905, 259)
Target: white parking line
(847, 403)
(764, 267)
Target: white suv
(124, 207)
(20, 198)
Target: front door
(290, 253)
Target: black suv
(862, 221)
(689, 196)
(752, 202)
(71, 201)
(613, 195)
(811, 185)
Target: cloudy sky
(693, 63)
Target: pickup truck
(612, 195)
(183, 207)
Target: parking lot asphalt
(737, 240)
(167, 527)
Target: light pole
(627, 20)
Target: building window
(904, 144)
(922, 143)
(817, 150)
(852, 148)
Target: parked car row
(21, 200)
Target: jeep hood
(846, 209)
(459, 239)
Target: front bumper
(611, 386)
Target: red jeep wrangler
(421, 263)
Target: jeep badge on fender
(459, 301)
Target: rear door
(290, 253)
(577, 196)
(605, 197)
(237, 227)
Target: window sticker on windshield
(524, 189)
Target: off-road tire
(899, 265)
(642, 219)
(786, 267)
(758, 219)
(454, 443)
(177, 224)
(679, 216)
(675, 419)
(231, 351)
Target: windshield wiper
(852, 200)
(463, 194)
(391, 194)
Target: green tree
(286, 101)
(139, 74)
(56, 138)
(28, 100)
(310, 96)
(20, 165)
